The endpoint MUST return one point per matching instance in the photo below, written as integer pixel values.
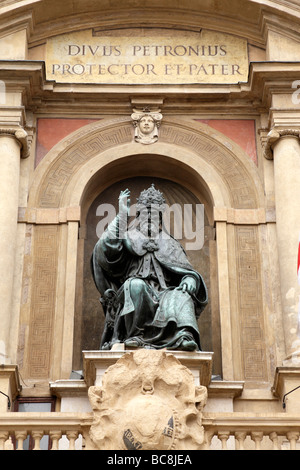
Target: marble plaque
(149, 58)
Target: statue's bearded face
(149, 221)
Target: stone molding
(39, 216)
(41, 95)
(21, 136)
(272, 17)
(93, 145)
(64, 215)
(244, 216)
(274, 135)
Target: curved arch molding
(205, 151)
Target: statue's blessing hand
(124, 201)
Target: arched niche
(89, 317)
(91, 160)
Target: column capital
(274, 135)
(20, 135)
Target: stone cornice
(21, 136)
(244, 216)
(251, 98)
(162, 13)
(50, 216)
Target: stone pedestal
(9, 192)
(142, 390)
(147, 400)
(73, 393)
(97, 362)
(13, 145)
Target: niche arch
(64, 176)
(89, 315)
(87, 162)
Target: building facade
(220, 81)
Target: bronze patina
(150, 293)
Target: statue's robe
(139, 279)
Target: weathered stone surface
(148, 401)
(158, 58)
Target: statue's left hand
(188, 284)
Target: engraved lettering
(194, 50)
(93, 51)
(73, 49)
(150, 69)
(180, 50)
(111, 70)
(168, 50)
(90, 68)
(136, 49)
(55, 68)
(138, 69)
(223, 50)
(236, 69)
(66, 68)
(212, 50)
(202, 69)
(224, 69)
(213, 67)
(168, 68)
(209, 57)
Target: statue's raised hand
(124, 202)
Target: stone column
(13, 145)
(285, 146)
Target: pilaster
(283, 146)
(13, 146)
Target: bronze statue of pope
(150, 293)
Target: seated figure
(150, 293)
